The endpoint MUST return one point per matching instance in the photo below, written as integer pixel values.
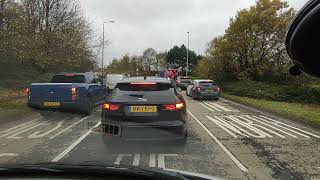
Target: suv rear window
(207, 83)
(68, 79)
(144, 86)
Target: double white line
(214, 107)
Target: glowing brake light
(74, 93)
(69, 74)
(28, 90)
(111, 107)
(173, 107)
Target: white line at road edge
(65, 152)
(234, 159)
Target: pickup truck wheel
(88, 108)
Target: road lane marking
(18, 128)
(8, 154)
(37, 135)
(306, 132)
(161, 157)
(66, 151)
(249, 126)
(120, 157)
(233, 158)
(268, 125)
(283, 127)
(243, 125)
(211, 106)
(14, 136)
(69, 127)
(221, 107)
(136, 160)
(226, 127)
(265, 128)
(152, 162)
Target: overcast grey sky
(161, 24)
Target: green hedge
(309, 94)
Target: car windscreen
(186, 80)
(144, 86)
(68, 79)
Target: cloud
(161, 24)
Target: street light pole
(187, 56)
(102, 53)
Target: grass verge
(12, 102)
(308, 114)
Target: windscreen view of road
(180, 89)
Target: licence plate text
(139, 109)
(51, 104)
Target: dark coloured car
(203, 89)
(183, 82)
(72, 91)
(145, 108)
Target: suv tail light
(174, 107)
(111, 107)
(217, 89)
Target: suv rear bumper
(208, 95)
(131, 131)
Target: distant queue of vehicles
(143, 108)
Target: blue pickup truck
(73, 91)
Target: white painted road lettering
(13, 132)
(17, 128)
(15, 136)
(37, 135)
(8, 154)
(69, 127)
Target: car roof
(154, 79)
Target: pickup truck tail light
(28, 91)
(74, 92)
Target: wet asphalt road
(225, 139)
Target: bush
(308, 94)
